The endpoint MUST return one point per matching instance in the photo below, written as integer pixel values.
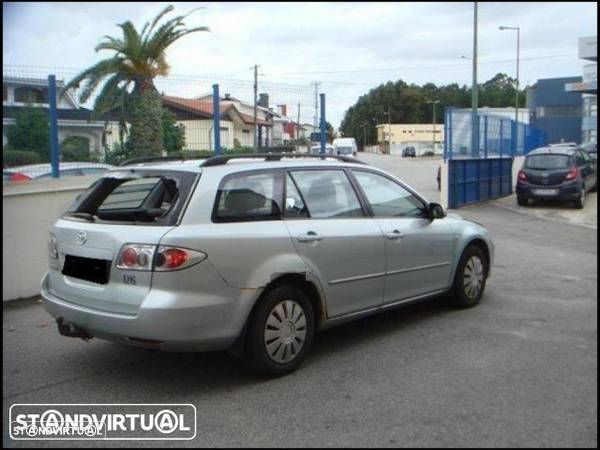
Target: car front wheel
(280, 331)
(470, 278)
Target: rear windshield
(134, 196)
(547, 162)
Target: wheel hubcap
(473, 277)
(285, 331)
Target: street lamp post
(474, 99)
(518, 30)
(433, 102)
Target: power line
(425, 67)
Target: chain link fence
(284, 119)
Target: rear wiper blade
(83, 215)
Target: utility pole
(389, 114)
(474, 100)
(255, 106)
(298, 127)
(433, 102)
(316, 105)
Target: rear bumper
(167, 320)
(565, 191)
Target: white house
(73, 120)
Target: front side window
(328, 194)
(387, 198)
(248, 197)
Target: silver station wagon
(253, 254)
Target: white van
(345, 146)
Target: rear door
(419, 251)
(332, 234)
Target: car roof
(554, 150)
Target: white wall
(28, 212)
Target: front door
(330, 231)
(419, 251)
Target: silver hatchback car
(253, 254)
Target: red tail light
(522, 176)
(573, 174)
(142, 256)
(173, 258)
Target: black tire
(256, 355)
(459, 296)
(521, 201)
(580, 202)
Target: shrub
(31, 132)
(173, 133)
(75, 148)
(12, 158)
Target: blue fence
(497, 136)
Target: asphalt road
(520, 369)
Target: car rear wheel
(580, 202)
(280, 331)
(521, 201)
(470, 278)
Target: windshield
(145, 197)
(547, 162)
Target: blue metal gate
(484, 172)
(473, 180)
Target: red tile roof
(205, 109)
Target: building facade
(554, 110)
(588, 88)
(73, 120)
(398, 136)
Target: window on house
(28, 94)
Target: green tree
(173, 133)
(138, 58)
(400, 102)
(30, 132)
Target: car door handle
(311, 236)
(395, 235)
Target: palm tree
(138, 59)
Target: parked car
(409, 152)
(592, 149)
(40, 171)
(556, 172)
(255, 256)
(345, 146)
(316, 149)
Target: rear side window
(548, 162)
(248, 197)
(328, 194)
(135, 197)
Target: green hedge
(12, 158)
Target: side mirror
(436, 211)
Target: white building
(73, 120)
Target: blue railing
(497, 136)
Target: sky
(349, 47)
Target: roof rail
(223, 159)
(149, 159)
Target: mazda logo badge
(81, 237)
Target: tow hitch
(70, 330)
